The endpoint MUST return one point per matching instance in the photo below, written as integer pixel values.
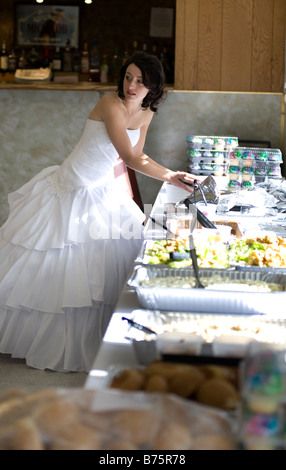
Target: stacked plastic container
(249, 165)
(209, 155)
(263, 417)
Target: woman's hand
(178, 178)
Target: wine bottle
(12, 62)
(4, 58)
(67, 58)
(57, 60)
(94, 66)
(85, 59)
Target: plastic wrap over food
(78, 419)
(257, 197)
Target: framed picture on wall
(49, 25)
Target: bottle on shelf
(135, 47)
(94, 65)
(57, 60)
(155, 50)
(166, 62)
(34, 58)
(22, 60)
(47, 61)
(67, 58)
(116, 65)
(76, 60)
(125, 56)
(104, 70)
(85, 59)
(145, 48)
(12, 61)
(4, 58)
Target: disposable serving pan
(198, 300)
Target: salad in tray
(263, 251)
(267, 251)
(209, 253)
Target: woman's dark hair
(153, 78)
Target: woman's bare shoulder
(107, 103)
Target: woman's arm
(116, 121)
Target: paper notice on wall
(161, 24)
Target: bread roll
(173, 436)
(156, 383)
(166, 369)
(137, 426)
(218, 393)
(185, 383)
(10, 410)
(77, 437)
(56, 415)
(26, 436)
(129, 379)
(212, 442)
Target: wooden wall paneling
(236, 45)
(186, 44)
(191, 45)
(209, 44)
(180, 44)
(261, 61)
(278, 53)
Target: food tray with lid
(209, 327)
(257, 154)
(212, 142)
(169, 289)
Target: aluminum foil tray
(194, 300)
(261, 328)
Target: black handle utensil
(138, 326)
(193, 254)
(202, 219)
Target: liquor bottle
(104, 70)
(94, 65)
(116, 65)
(4, 58)
(166, 62)
(85, 59)
(135, 47)
(47, 57)
(57, 60)
(22, 60)
(12, 62)
(125, 56)
(145, 48)
(155, 50)
(33, 58)
(67, 58)
(76, 60)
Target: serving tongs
(192, 200)
(193, 253)
(205, 191)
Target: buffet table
(116, 349)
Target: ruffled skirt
(64, 258)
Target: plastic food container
(212, 142)
(179, 343)
(231, 346)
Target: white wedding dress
(65, 251)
